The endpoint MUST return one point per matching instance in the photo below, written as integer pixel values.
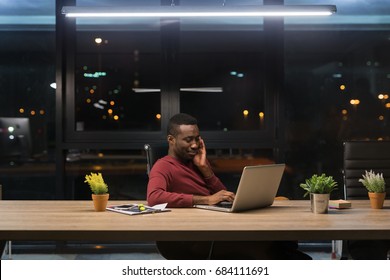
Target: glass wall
(125, 78)
(337, 85)
(131, 75)
(117, 79)
(27, 92)
(124, 171)
(222, 77)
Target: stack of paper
(136, 209)
(339, 204)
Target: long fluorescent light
(187, 11)
(205, 89)
(142, 90)
(198, 89)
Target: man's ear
(171, 139)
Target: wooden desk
(285, 220)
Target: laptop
(257, 189)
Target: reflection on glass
(232, 62)
(110, 67)
(125, 170)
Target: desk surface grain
(284, 220)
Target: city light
(354, 101)
(235, 73)
(98, 106)
(95, 75)
(261, 116)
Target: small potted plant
(376, 186)
(319, 188)
(99, 190)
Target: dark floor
(115, 251)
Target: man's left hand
(200, 160)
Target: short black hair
(178, 120)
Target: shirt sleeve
(214, 183)
(157, 190)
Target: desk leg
(2, 246)
(6, 248)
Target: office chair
(153, 154)
(149, 158)
(358, 157)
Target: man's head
(183, 136)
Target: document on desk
(138, 209)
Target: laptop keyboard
(225, 204)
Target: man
(184, 178)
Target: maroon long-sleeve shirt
(174, 182)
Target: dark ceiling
(20, 14)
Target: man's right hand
(222, 195)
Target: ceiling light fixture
(197, 89)
(186, 11)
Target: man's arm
(222, 195)
(157, 193)
(200, 160)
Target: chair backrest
(153, 153)
(360, 156)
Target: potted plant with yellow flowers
(99, 190)
(376, 186)
(319, 188)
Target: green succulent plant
(373, 182)
(319, 184)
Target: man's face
(186, 144)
